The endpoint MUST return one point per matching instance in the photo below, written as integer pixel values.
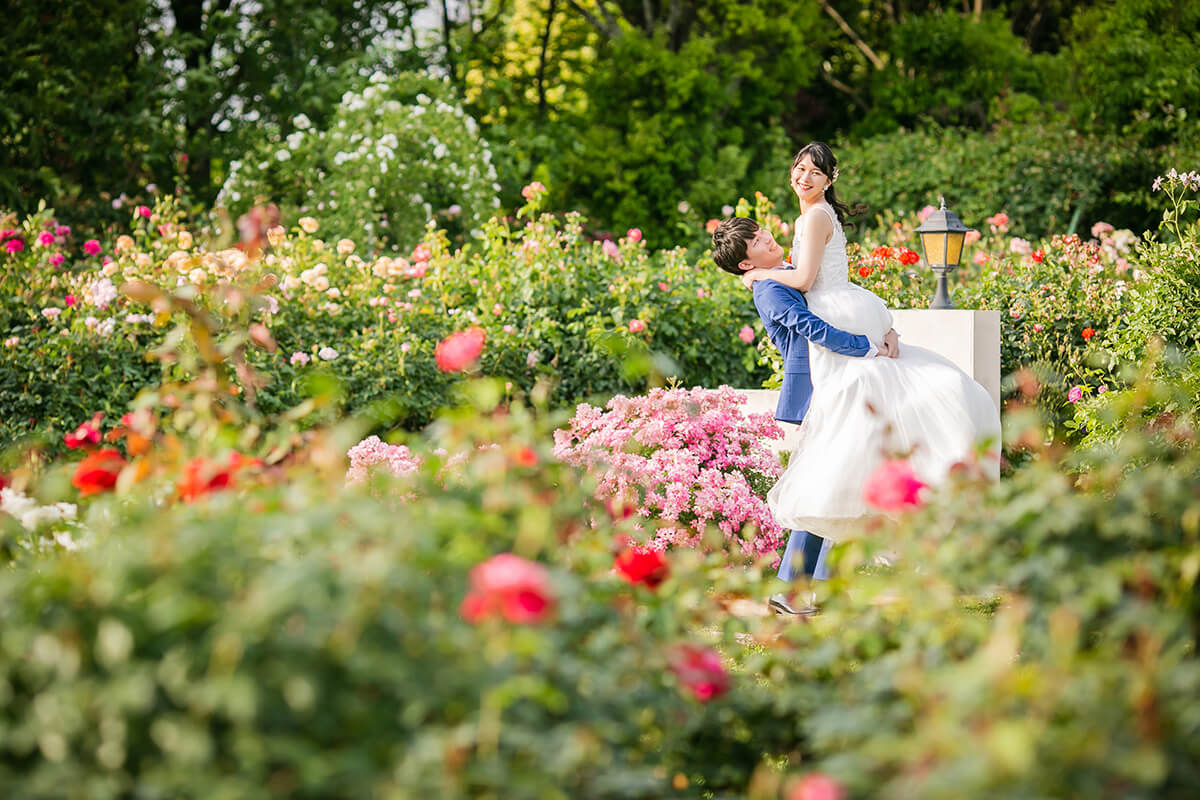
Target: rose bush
(363, 327)
(689, 458)
(463, 620)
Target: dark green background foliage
(624, 110)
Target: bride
(863, 411)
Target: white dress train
(864, 410)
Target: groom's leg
(805, 555)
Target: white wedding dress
(866, 410)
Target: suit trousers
(805, 556)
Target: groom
(739, 245)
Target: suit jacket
(791, 326)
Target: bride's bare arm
(806, 259)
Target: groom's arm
(776, 302)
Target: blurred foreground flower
(816, 786)
(642, 565)
(511, 587)
(460, 349)
(894, 487)
(98, 472)
(700, 671)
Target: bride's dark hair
(824, 160)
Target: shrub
(688, 458)
(1047, 176)
(396, 153)
(590, 318)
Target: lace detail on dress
(834, 270)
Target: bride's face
(808, 182)
(762, 251)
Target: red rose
(908, 257)
(894, 487)
(642, 565)
(98, 472)
(460, 349)
(85, 434)
(201, 476)
(711, 225)
(1087, 333)
(864, 271)
(882, 253)
(508, 586)
(1038, 255)
(700, 671)
(525, 457)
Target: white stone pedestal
(970, 339)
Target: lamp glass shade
(954, 246)
(935, 248)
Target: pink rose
(299, 358)
(924, 213)
(57, 259)
(816, 786)
(980, 258)
(533, 190)
(1101, 228)
(143, 211)
(1075, 395)
(508, 586)
(894, 487)
(45, 238)
(972, 236)
(610, 249)
(636, 326)
(14, 245)
(458, 350)
(700, 671)
(69, 300)
(92, 247)
(746, 334)
(634, 235)
(1103, 388)
(62, 230)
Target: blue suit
(791, 326)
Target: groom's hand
(891, 344)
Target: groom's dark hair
(729, 242)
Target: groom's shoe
(780, 604)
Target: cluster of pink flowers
(372, 452)
(1188, 180)
(681, 456)
(998, 222)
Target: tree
(76, 111)
(262, 63)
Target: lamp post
(942, 235)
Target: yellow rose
(309, 225)
(185, 240)
(276, 235)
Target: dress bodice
(834, 270)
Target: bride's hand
(749, 277)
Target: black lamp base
(941, 298)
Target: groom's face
(762, 252)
